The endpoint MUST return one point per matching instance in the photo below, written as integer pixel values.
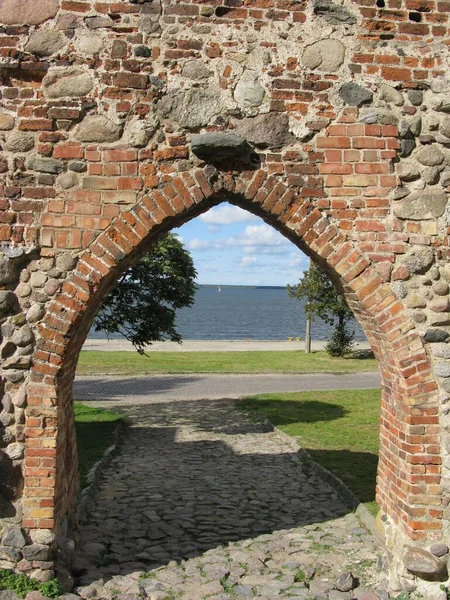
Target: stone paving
(204, 502)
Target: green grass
(132, 363)
(96, 429)
(338, 428)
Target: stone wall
(121, 120)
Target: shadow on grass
(362, 354)
(93, 439)
(358, 470)
(286, 412)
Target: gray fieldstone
(442, 369)
(44, 165)
(45, 42)
(445, 127)
(435, 335)
(196, 70)
(23, 336)
(27, 12)
(42, 536)
(98, 128)
(19, 141)
(423, 564)
(415, 97)
(346, 582)
(415, 300)
(355, 95)
(191, 109)
(139, 132)
(38, 279)
(431, 175)
(407, 144)
(419, 261)
(440, 288)
(7, 301)
(441, 351)
(142, 51)
(399, 193)
(415, 125)
(8, 271)
(15, 451)
(36, 552)
(6, 122)
(334, 13)
(249, 92)
(267, 131)
(35, 313)
(89, 45)
(98, 22)
(407, 171)
(9, 553)
(67, 180)
(325, 55)
(67, 82)
(210, 146)
(12, 536)
(391, 95)
(439, 549)
(430, 156)
(66, 261)
(8, 595)
(78, 166)
(445, 178)
(440, 305)
(426, 204)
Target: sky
(230, 246)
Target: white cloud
(277, 250)
(199, 245)
(226, 215)
(248, 261)
(257, 235)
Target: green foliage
(21, 584)
(324, 301)
(300, 576)
(142, 305)
(340, 342)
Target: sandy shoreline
(104, 345)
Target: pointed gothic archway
(408, 474)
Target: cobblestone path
(210, 504)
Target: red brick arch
(408, 474)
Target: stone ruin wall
(346, 110)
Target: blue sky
(231, 246)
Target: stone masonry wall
(120, 120)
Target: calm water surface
(246, 313)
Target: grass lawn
(132, 363)
(96, 429)
(339, 429)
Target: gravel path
(203, 502)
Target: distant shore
(104, 345)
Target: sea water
(246, 313)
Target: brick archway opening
(408, 475)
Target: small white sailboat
(219, 290)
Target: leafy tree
(324, 301)
(143, 303)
